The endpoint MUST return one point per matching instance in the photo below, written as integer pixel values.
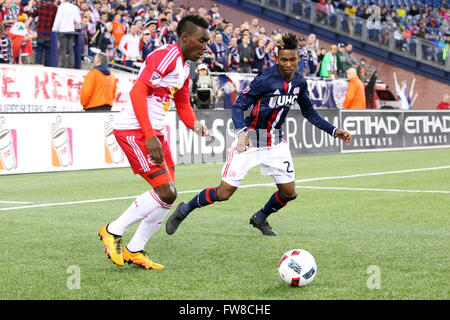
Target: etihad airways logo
(427, 124)
(368, 125)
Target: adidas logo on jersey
(277, 92)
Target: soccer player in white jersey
(260, 138)
(163, 78)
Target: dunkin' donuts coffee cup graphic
(113, 152)
(62, 155)
(8, 147)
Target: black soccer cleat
(174, 220)
(264, 227)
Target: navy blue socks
(275, 203)
(204, 198)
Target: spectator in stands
(401, 12)
(146, 45)
(233, 55)
(179, 13)
(312, 60)
(245, 55)
(445, 103)
(340, 60)
(99, 28)
(107, 42)
(9, 14)
(321, 11)
(118, 28)
(220, 50)
(259, 57)
(67, 19)
(45, 14)
(129, 46)
(21, 38)
(99, 87)
(214, 12)
(95, 8)
(6, 51)
(414, 11)
(270, 55)
(171, 35)
(361, 70)
(349, 60)
(341, 5)
(330, 12)
(152, 27)
(302, 54)
(87, 31)
(328, 68)
(321, 53)
(227, 33)
(350, 11)
(355, 97)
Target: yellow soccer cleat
(140, 258)
(113, 245)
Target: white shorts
(275, 161)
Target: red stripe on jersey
(255, 113)
(286, 87)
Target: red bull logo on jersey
(282, 101)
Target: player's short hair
(190, 23)
(286, 41)
(102, 57)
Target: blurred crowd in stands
(127, 31)
(406, 21)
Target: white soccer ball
(297, 268)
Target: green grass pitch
(396, 222)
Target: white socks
(147, 208)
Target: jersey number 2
(288, 167)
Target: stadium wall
(53, 142)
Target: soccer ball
(297, 268)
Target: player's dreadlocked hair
(286, 41)
(190, 22)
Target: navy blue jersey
(269, 98)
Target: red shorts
(132, 143)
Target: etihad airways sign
(396, 129)
(373, 130)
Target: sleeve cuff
(242, 129)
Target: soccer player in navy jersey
(259, 137)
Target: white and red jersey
(163, 77)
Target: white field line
(14, 202)
(263, 185)
(369, 189)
